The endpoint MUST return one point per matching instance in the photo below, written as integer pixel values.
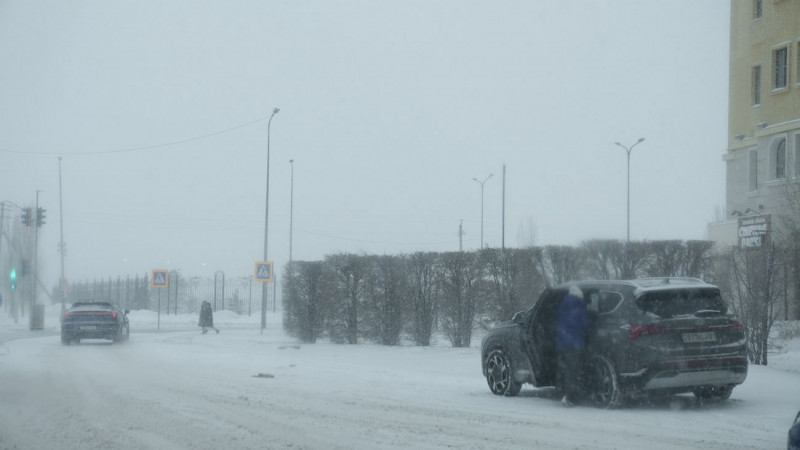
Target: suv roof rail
(670, 280)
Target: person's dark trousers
(570, 370)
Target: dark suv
(651, 335)
(94, 320)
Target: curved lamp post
(628, 151)
(482, 183)
(264, 289)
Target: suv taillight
(637, 331)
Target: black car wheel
(602, 383)
(713, 392)
(122, 333)
(65, 339)
(500, 375)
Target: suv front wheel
(500, 375)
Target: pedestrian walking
(206, 318)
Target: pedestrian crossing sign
(263, 271)
(159, 279)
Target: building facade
(763, 156)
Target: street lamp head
(275, 111)
(291, 161)
(640, 140)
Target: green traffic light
(13, 276)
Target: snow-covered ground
(243, 389)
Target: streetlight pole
(62, 281)
(291, 210)
(35, 222)
(264, 289)
(628, 151)
(482, 183)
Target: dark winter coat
(572, 323)
(206, 316)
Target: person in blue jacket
(572, 326)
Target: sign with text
(754, 232)
(263, 271)
(160, 278)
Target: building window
(753, 170)
(779, 62)
(756, 9)
(780, 160)
(756, 85)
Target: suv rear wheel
(602, 383)
(499, 374)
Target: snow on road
(243, 389)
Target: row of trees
(384, 299)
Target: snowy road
(184, 390)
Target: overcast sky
(389, 109)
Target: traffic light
(26, 216)
(40, 216)
(13, 277)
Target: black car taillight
(637, 331)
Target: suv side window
(602, 302)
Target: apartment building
(763, 155)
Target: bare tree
(387, 295)
(459, 277)
(347, 296)
(756, 290)
(422, 282)
(304, 307)
(666, 258)
(600, 254)
(788, 232)
(516, 281)
(562, 263)
(629, 259)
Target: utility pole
(61, 249)
(482, 183)
(503, 241)
(32, 314)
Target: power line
(145, 147)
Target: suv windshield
(682, 302)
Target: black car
(94, 320)
(793, 441)
(652, 335)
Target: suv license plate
(88, 327)
(691, 338)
